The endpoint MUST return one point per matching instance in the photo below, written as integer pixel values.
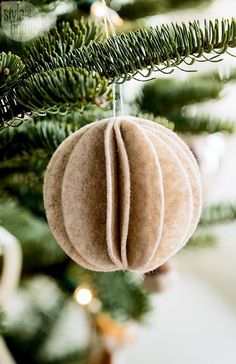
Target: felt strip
(171, 134)
(84, 198)
(178, 202)
(147, 198)
(192, 173)
(161, 131)
(112, 175)
(52, 196)
(124, 192)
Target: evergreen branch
(34, 161)
(73, 120)
(29, 147)
(123, 297)
(40, 249)
(60, 90)
(25, 141)
(201, 239)
(124, 56)
(140, 9)
(216, 76)
(218, 214)
(45, 134)
(11, 71)
(165, 96)
(11, 113)
(25, 153)
(156, 119)
(180, 4)
(62, 39)
(26, 189)
(201, 124)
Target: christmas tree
(55, 79)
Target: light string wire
(117, 89)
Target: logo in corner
(20, 20)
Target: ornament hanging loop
(117, 89)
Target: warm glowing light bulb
(83, 296)
(98, 10)
(101, 11)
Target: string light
(83, 296)
(100, 11)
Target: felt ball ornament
(122, 193)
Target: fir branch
(56, 88)
(31, 143)
(156, 119)
(218, 214)
(43, 133)
(11, 72)
(27, 161)
(123, 297)
(40, 249)
(62, 39)
(202, 239)
(11, 113)
(217, 76)
(29, 148)
(26, 189)
(74, 120)
(197, 124)
(165, 96)
(25, 153)
(140, 9)
(38, 139)
(61, 90)
(124, 56)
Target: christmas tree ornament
(122, 194)
(11, 271)
(40, 296)
(10, 249)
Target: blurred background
(54, 312)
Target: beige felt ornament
(122, 193)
